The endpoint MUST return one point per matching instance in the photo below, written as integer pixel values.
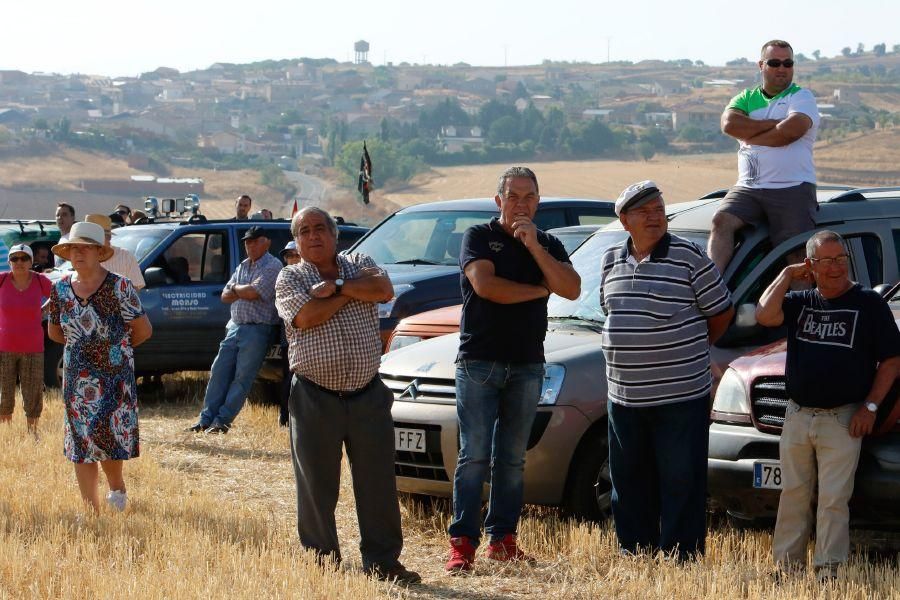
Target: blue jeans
(241, 354)
(495, 406)
(657, 463)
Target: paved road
(312, 189)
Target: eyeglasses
(291, 255)
(23, 258)
(776, 62)
(842, 261)
(123, 212)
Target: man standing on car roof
(251, 294)
(843, 355)
(509, 269)
(665, 303)
(329, 305)
(776, 126)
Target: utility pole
(505, 55)
(608, 38)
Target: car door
(187, 311)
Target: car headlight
(386, 308)
(552, 384)
(731, 397)
(402, 341)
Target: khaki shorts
(788, 211)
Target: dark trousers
(321, 425)
(657, 462)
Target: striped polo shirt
(655, 338)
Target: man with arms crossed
(776, 126)
(842, 358)
(328, 303)
(665, 304)
(509, 269)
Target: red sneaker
(506, 549)
(462, 555)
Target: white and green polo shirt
(783, 166)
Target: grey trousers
(321, 424)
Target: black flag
(365, 182)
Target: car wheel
(53, 364)
(590, 491)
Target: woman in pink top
(22, 292)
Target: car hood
(418, 273)
(437, 357)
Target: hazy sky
(127, 38)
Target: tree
(896, 48)
(846, 51)
(817, 54)
(879, 49)
(504, 130)
(521, 91)
(41, 123)
(860, 49)
(800, 57)
(492, 110)
(645, 150)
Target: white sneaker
(117, 500)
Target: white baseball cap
(637, 194)
(21, 248)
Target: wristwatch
(872, 407)
(338, 286)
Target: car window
(140, 241)
(551, 218)
(586, 261)
(589, 217)
(199, 257)
(430, 237)
(874, 256)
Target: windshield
(421, 237)
(139, 240)
(586, 261)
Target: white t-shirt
(123, 263)
(782, 166)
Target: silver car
(566, 462)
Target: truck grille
(422, 465)
(768, 398)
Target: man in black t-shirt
(509, 269)
(843, 355)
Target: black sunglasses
(775, 63)
(23, 258)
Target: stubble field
(213, 516)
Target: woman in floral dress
(99, 318)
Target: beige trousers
(816, 447)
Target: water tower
(361, 51)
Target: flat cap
(637, 194)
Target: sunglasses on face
(775, 63)
(23, 258)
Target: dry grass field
(213, 516)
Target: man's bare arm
(741, 127)
(489, 286)
(786, 132)
(561, 278)
(318, 310)
(769, 311)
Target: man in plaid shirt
(251, 293)
(328, 303)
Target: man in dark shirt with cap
(509, 270)
(251, 294)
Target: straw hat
(84, 234)
(101, 220)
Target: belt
(338, 393)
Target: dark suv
(186, 265)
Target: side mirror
(154, 276)
(883, 288)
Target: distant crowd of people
(665, 302)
